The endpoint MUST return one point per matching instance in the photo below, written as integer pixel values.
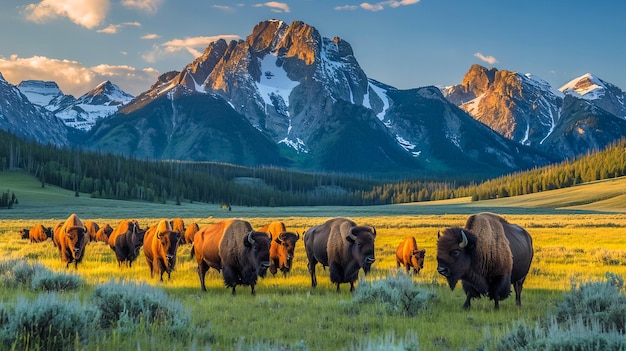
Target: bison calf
(408, 255)
(488, 255)
(281, 248)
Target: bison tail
(192, 253)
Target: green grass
(571, 244)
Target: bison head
(258, 251)
(361, 239)
(286, 245)
(76, 240)
(417, 259)
(24, 233)
(454, 254)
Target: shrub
(17, 272)
(45, 280)
(388, 342)
(397, 292)
(128, 305)
(47, 322)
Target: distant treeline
(117, 177)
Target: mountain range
(288, 97)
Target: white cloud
(86, 13)
(150, 6)
(75, 78)
(193, 45)
(346, 7)
(275, 6)
(114, 28)
(489, 59)
(150, 36)
(379, 6)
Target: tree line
(104, 175)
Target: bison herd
(488, 255)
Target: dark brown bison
(24, 233)
(343, 246)
(281, 248)
(92, 229)
(409, 256)
(39, 233)
(232, 247)
(127, 246)
(72, 238)
(190, 232)
(160, 245)
(488, 255)
(125, 226)
(103, 233)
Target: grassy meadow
(573, 243)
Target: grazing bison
(232, 247)
(160, 245)
(39, 233)
(190, 232)
(488, 255)
(407, 254)
(343, 246)
(103, 233)
(127, 246)
(92, 229)
(125, 226)
(24, 233)
(281, 248)
(72, 238)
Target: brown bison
(92, 229)
(190, 232)
(24, 233)
(488, 255)
(178, 225)
(232, 247)
(71, 239)
(103, 233)
(281, 248)
(39, 233)
(55, 233)
(160, 245)
(125, 226)
(127, 246)
(408, 255)
(343, 246)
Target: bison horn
(250, 238)
(463, 243)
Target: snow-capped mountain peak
(40, 92)
(587, 87)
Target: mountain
(308, 95)
(19, 116)
(527, 110)
(82, 113)
(602, 94)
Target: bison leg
(312, 264)
(518, 291)
(202, 269)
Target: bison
(125, 226)
(24, 233)
(160, 245)
(178, 225)
(71, 239)
(127, 246)
(39, 233)
(281, 248)
(233, 248)
(343, 246)
(55, 233)
(488, 255)
(103, 233)
(190, 232)
(409, 255)
(92, 229)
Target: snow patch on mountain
(40, 92)
(382, 93)
(274, 81)
(586, 87)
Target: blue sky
(406, 44)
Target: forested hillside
(116, 177)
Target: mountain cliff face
(528, 110)
(19, 116)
